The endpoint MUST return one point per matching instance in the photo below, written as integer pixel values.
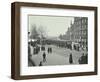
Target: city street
(59, 56)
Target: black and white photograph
(57, 40)
(53, 40)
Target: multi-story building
(78, 31)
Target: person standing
(70, 59)
(44, 57)
(40, 63)
(51, 50)
(48, 50)
(29, 50)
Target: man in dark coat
(29, 50)
(44, 57)
(48, 50)
(70, 59)
(51, 50)
(40, 63)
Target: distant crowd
(36, 49)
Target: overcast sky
(53, 25)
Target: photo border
(15, 39)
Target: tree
(34, 32)
(42, 32)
